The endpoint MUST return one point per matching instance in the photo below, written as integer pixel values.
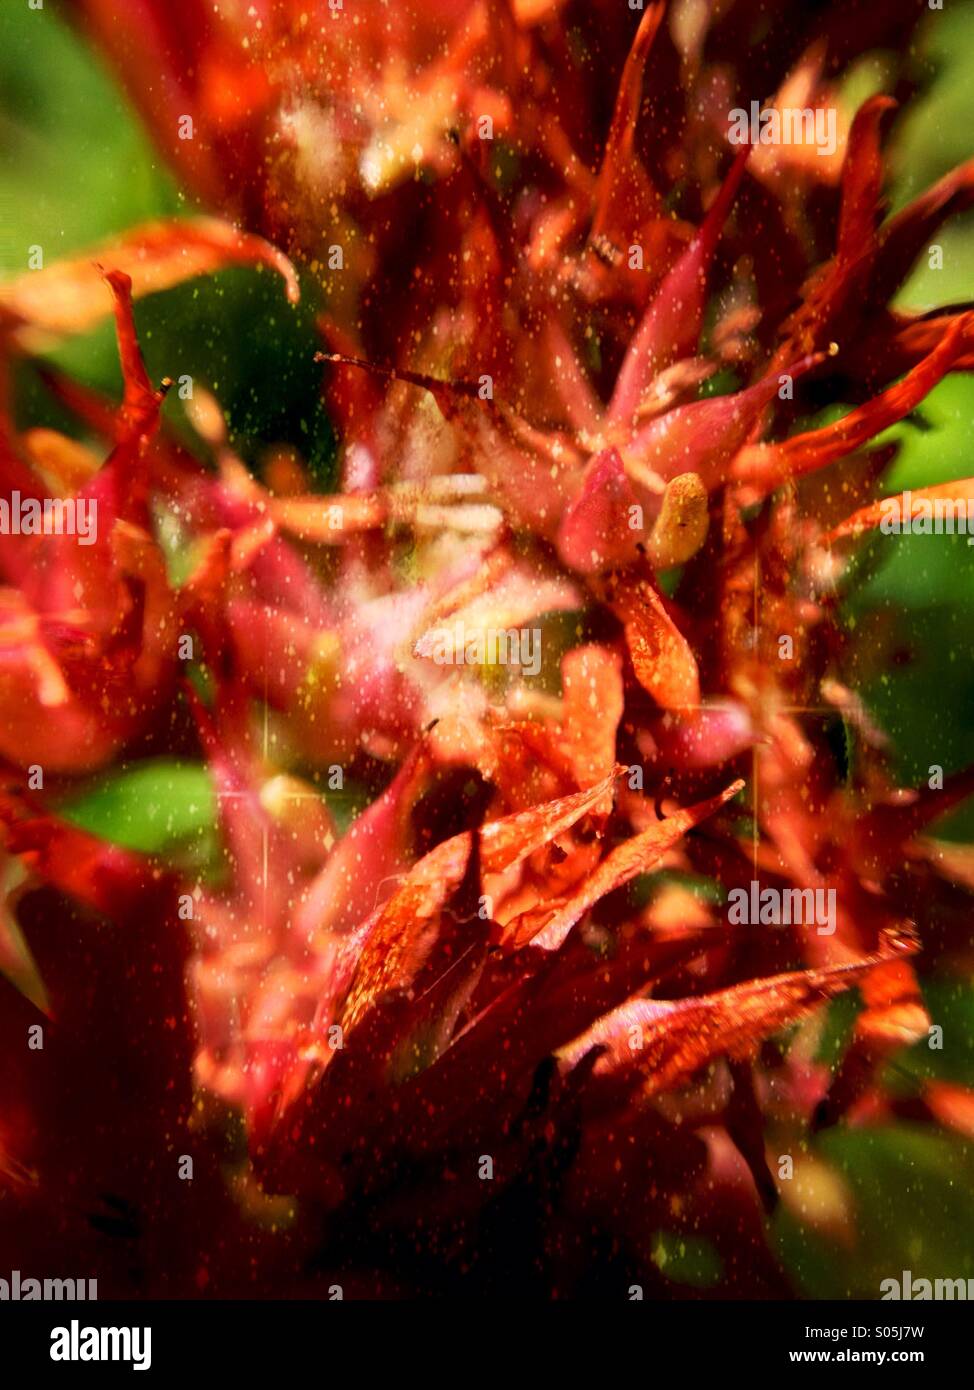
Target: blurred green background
(75, 166)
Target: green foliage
(910, 1195)
(916, 599)
(152, 807)
(687, 1259)
(76, 167)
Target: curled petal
(634, 857)
(67, 296)
(664, 1042)
(671, 325)
(624, 194)
(907, 505)
(833, 295)
(704, 436)
(399, 940)
(767, 466)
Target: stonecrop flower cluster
(491, 1035)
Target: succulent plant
(570, 620)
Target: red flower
(452, 1036)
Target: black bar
(323, 1338)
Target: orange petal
(767, 466)
(624, 195)
(661, 655)
(665, 1042)
(894, 1017)
(399, 940)
(906, 503)
(593, 704)
(68, 297)
(624, 863)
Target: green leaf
(152, 807)
(910, 1191)
(77, 164)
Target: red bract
(452, 1041)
